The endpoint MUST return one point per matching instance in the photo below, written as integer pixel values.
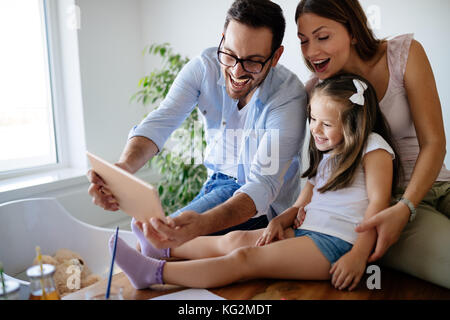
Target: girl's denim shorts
(331, 247)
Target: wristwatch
(411, 207)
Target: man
(250, 105)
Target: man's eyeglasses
(249, 66)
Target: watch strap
(411, 207)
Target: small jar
(39, 280)
(11, 290)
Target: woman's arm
(426, 111)
(427, 116)
(378, 168)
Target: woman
(335, 38)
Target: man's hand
(175, 232)
(389, 225)
(101, 195)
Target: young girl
(350, 179)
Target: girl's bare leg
(198, 248)
(216, 246)
(295, 258)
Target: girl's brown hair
(358, 123)
(350, 14)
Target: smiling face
(254, 44)
(326, 44)
(325, 123)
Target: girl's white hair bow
(358, 97)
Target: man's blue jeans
(218, 189)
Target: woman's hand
(273, 232)
(348, 271)
(389, 225)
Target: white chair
(46, 223)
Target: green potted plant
(182, 176)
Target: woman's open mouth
(321, 65)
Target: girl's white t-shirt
(337, 213)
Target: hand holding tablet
(134, 196)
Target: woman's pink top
(395, 107)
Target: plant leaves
(181, 180)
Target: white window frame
(62, 23)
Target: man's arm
(190, 224)
(233, 212)
(137, 152)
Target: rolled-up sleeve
(279, 147)
(176, 107)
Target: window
(42, 141)
(27, 127)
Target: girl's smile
(320, 141)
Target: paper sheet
(190, 294)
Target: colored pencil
(108, 288)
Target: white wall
(191, 26)
(111, 64)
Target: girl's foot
(140, 270)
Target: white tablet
(135, 197)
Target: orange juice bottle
(42, 284)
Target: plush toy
(71, 274)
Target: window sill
(32, 185)
(40, 184)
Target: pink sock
(146, 247)
(140, 270)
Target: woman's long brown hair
(358, 123)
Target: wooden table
(394, 286)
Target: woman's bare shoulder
(418, 62)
